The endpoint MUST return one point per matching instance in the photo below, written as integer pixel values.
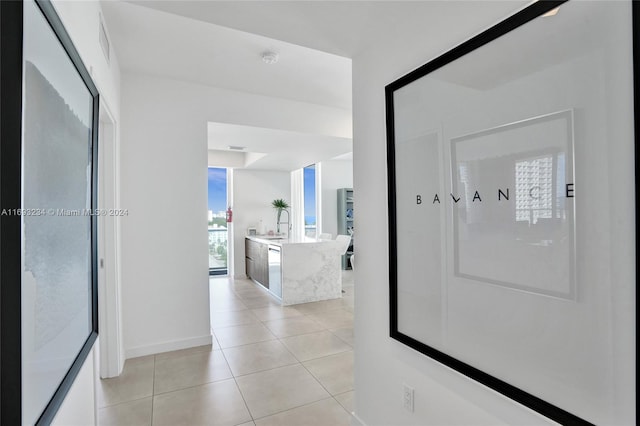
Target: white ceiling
(341, 27)
(287, 150)
(163, 44)
(219, 43)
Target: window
(309, 185)
(217, 206)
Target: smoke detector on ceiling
(269, 57)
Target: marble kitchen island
(309, 270)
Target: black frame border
(518, 19)
(11, 65)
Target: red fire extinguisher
(229, 215)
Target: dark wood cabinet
(257, 261)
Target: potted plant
(280, 205)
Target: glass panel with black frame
(510, 161)
(49, 310)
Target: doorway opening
(218, 218)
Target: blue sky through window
(310, 195)
(217, 189)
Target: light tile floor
(268, 365)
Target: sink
(272, 237)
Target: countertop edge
(285, 241)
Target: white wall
(81, 22)
(253, 192)
(81, 19)
(164, 175)
(164, 240)
(334, 174)
(191, 105)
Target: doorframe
(109, 274)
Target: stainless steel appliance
(275, 272)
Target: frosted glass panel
(56, 317)
(512, 231)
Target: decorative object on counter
(280, 205)
(251, 231)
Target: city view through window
(217, 216)
(310, 201)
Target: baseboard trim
(355, 420)
(168, 346)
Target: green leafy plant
(279, 204)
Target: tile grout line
(153, 388)
(238, 387)
(280, 366)
(122, 402)
(279, 339)
(325, 356)
(295, 408)
(309, 315)
(320, 383)
(305, 334)
(265, 370)
(234, 377)
(303, 314)
(324, 328)
(300, 362)
(331, 396)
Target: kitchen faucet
(282, 222)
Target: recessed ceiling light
(269, 57)
(552, 12)
(236, 148)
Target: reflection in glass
(536, 195)
(511, 226)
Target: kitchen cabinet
(295, 270)
(257, 261)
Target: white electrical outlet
(407, 398)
